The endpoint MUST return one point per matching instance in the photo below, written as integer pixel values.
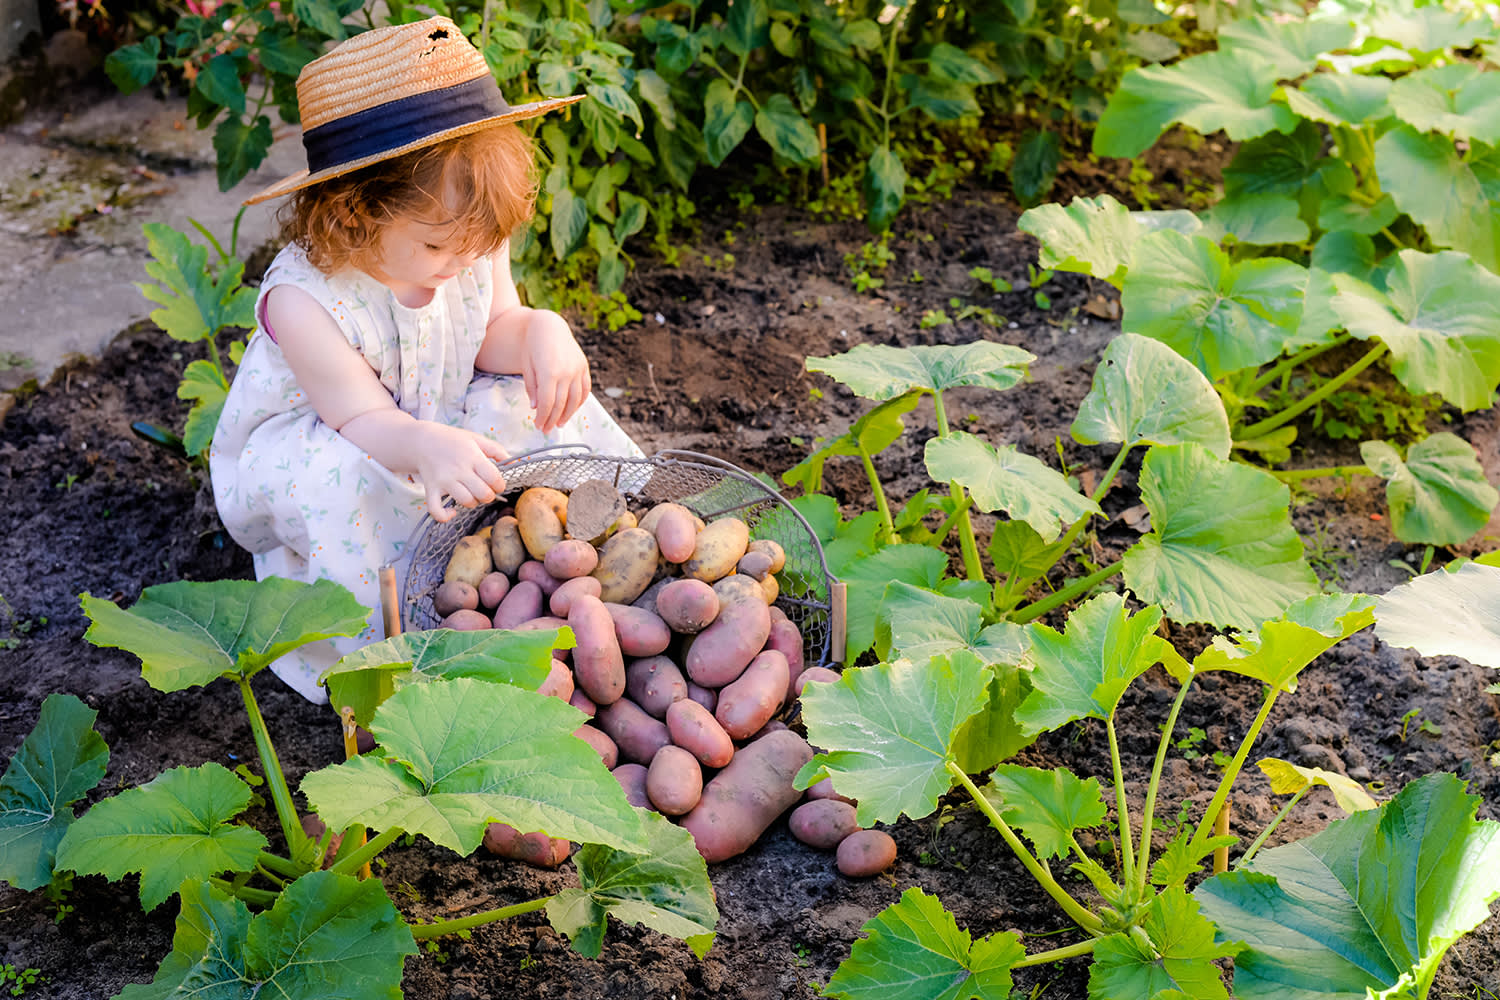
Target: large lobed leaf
(1291, 46)
(869, 576)
(869, 435)
(1179, 963)
(1046, 805)
(1458, 99)
(917, 624)
(1449, 195)
(457, 755)
(880, 372)
(1438, 494)
(1445, 614)
(1010, 480)
(194, 306)
(1276, 651)
(1146, 393)
(1372, 902)
(1094, 236)
(60, 760)
(189, 633)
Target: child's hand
(554, 370)
(458, 463)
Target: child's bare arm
(347, 395)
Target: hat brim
(302, 178)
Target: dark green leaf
(1034, 169)
(726, 121)
(748, 27)
(131, 67)
(321, 16)
(884, 187)
(570, 223)
(786, 131)
(220, 83)
(240, 148)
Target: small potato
(492, 589)
(754, 697)
(466, 620)
(695, 729)
(824, 790)
(640, 632)
(583, 703)
(521, 604)
(718, 549)
(707, 697)
(537, 573)
(814, 675)
(535, 849)
(598, 664)
(778, 615)
(507, 551)
(561, 601)
(542, 517)
(469, 563)
(674, 781)
(455, 595)
(559, 682)
(770, 589)
(608, 751)
(786, 638)
(637, 734)
(738, 585)
(675, 528)
(742, 801)
(654, 683)
(648, 597)
(627, 565)
(687, 606)
(865, 853)
(755, 564)
(772, 549)
(823, 823)
(570, 558)
(721, 652)
(632, 778)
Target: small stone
(614, 392)
(1360, 774)
(1317, 755)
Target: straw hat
(390, 91)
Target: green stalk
(1205, 825)
(1058, 954)
(1074, 909)
(1038, 608)
(1256, 844)
(353, 862)
(1149, 819)
(1287, 364)
(952, 519)
(890, 76)
(297, 842)
(1315, 397)
(280, 865)
(441, 928)
(1084, 861)
(1127, 846)
(881, 504)
(1295, 475)
(967, 543)
(260, 897)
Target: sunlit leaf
(1094, 236)
(919, 624)
(869, 435)
(1341, 98)
(1445, 614)
(1277, 651)
(1146, 393)
(1287, 778)
(1007, 479)
(194, 304)
(1180, 959)
(1458, 99)
(879, 372)
(1438, 495)
(1292, 46)
(1047, 805)
(1449, 195)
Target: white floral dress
(307, 502)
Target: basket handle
(547, 451)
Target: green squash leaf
(879, 372)
(1221, 315)
(1438, 495)
(1277, 651)
(786, 131)
(919, 624)
(914, 950)
(174, 828)
(1450, 196)
(993, 734)
(190, 633)
(1094, 236)
(869, 435)
(1081, 672)
(1010, 480)
(727, 121)
(1217, 90)
(1458, 99)
(1047, 805)
(1146, 393)
(1341, 98)
(1288, 779)
(887, 730)
(1256, 219)
(1222, 549)
(194, 305)
(60, 760)
(326, 936)
(1440, 316)
(1372, 902)
(1291, 46)
(1179, 963)
(868, 577)
(204, 384)
(460, 754)
(666, 889)
(1429, 29)
(1445, 614)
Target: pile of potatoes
(683, 663)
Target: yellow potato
(719, 548)
(627, 564)
(470, 562)
(772, 549)
(506, 548)
(542, 517)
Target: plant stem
(351, 863)
(890, 75)
(1295, 475)
(444, 927)
(1205, 825)
(1149, 818)
(1315, 397)
(1038, 608)
(1058, 954)
(280, 865)
(1074, 909)
(297, 842)
(882, 505)
(967, 543)
(1264, 834)
(1122, 809)
(952, 519)
(260, 897)
(1287, 364)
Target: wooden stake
(390, 601)
(823, 149)
(838, 621)
(1221, 828)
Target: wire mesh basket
(707, 486)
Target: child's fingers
(492, 449)
(478, 486)
(546, 406)
(435, 506)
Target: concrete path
(74, 193)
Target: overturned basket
(707, 486)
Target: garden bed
(714, 366)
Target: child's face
(416, 254)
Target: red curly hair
(491, 175)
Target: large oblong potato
(627, 564)
(507, 551)
(542, 518)
(719, 548)
(744, 799)
(470, 562)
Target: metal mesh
(705, 485)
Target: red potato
(465, 620)
(571, 558)
(647, 600)
(638, 735)
(770, 727)
(639, 632)
(824, 790)
(561, 601)
(523, 603)
(772, 549)
(721, 652)
(754, 564)
(583, 703)
(866, 853)
(687, 606)
(695, 729)
(654, 683)
(455, 595)
(598, 664)
(608, 750)
(492, 589)
(559, 682)
(814, 675)
(707, 697)
(823, 823)
(675, 529)
(748, 703)
(777, 615)
(674, 781)
(786, 638)
(632, 778)
(535, 849)
(546, 622)
(537, 573)
(742, 801)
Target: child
(393, 364)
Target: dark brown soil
(716, 366)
